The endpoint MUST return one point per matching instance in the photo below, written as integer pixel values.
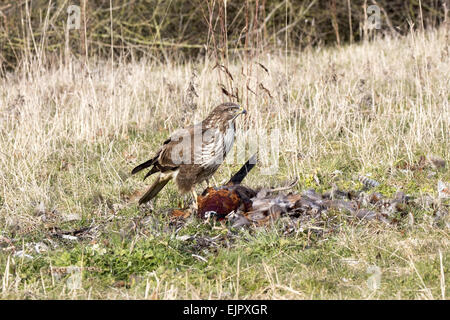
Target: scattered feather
(443, 190)
(436, 161)
(22, 254)
(69, 237)
(199, 258)
(40, 247)
(368, 182)
(184, 237)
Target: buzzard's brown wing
(166, 161)
(162, 161)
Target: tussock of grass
(70, 136)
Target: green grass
(147, 260)
(257, 264)
(74, 142)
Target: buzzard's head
(226, 112)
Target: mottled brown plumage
(193, 154)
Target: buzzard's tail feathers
(152, 171)
(142, 166)
(242, 173)
(153, 190)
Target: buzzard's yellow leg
(184, 202)
(194, 194)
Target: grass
(70, 136)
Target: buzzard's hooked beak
(238, 112)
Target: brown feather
(153, 190)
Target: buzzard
(193, 154)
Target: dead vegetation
(365, 133)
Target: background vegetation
(72, 127)
(177, 28)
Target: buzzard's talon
(195, 203)
(208, 216)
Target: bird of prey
(193, 154)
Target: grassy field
(69, 137)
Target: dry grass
(69, 134)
